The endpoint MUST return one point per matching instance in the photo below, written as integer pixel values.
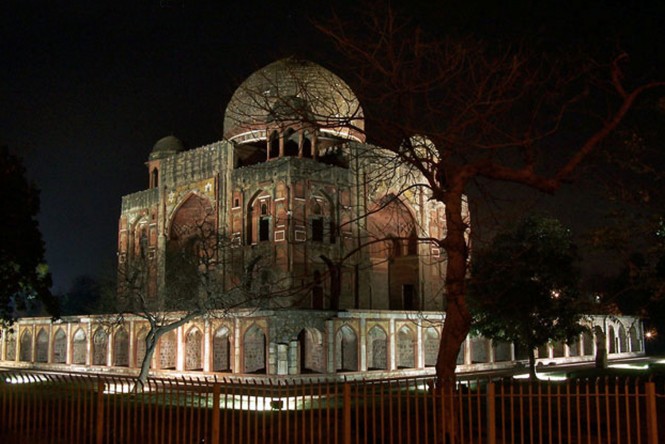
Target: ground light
(630, 366)
(543, 376)
(25, 379)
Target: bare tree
(491, 114)
(196, 285)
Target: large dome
(311, 93)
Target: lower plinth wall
(370, 344)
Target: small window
(317, 230)
(155, 178)
(264, 229)
(237, 202)
(264, 209)
(409, 295)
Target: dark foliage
(525, 286)
(24, 276)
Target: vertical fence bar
(346, 406)
(99, 433)
(651, 412)
(214, 439)
(491, 414)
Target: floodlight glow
(267, 403)
(114, 388)
(25, 379)
(542, 376)
(631, 366)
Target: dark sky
(87, 87)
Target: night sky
(87, 87)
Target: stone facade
(326, 237)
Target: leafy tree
(490, 114)
(25, 279)
(525, 286)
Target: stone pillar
(294, 358)
(362, 345)
(237, 342)
(49, 353)
(392, 362)
(33, 354)
(330, 335)
(467, 350)
(132, 345)
(69, 351)
(3, 344)
(110, 348)
(271, 365)
(207, 346)
(282, 359)
(180, 349)
(420, 347)
(490, 351)
(88, 344)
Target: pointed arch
(623, 340)
(346, 345)
(194, 349)
(259, 218)
(79, 347)
(311, 346)
(41, 354)
(25, 352)
(59, 346)
(377, 349)
(100, 347)
(254, 350)
(612, 338)
(168, 351)
(322, 223)
(221, 350)
(432, 339)
(121, 348)
(406, 348)
(393, 231)
(10, 354)
(140, 346)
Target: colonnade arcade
(359, 341)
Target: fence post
(215, 413)
(652, 415)
(100, 411)
(346, 416)
(491, 413)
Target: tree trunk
(458, 319)
(601, 348)
(150, 346)
(532, 364)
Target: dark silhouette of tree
(25, 279)
(83, 297)
(489, 113)
(525, 287)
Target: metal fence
(43, 408)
